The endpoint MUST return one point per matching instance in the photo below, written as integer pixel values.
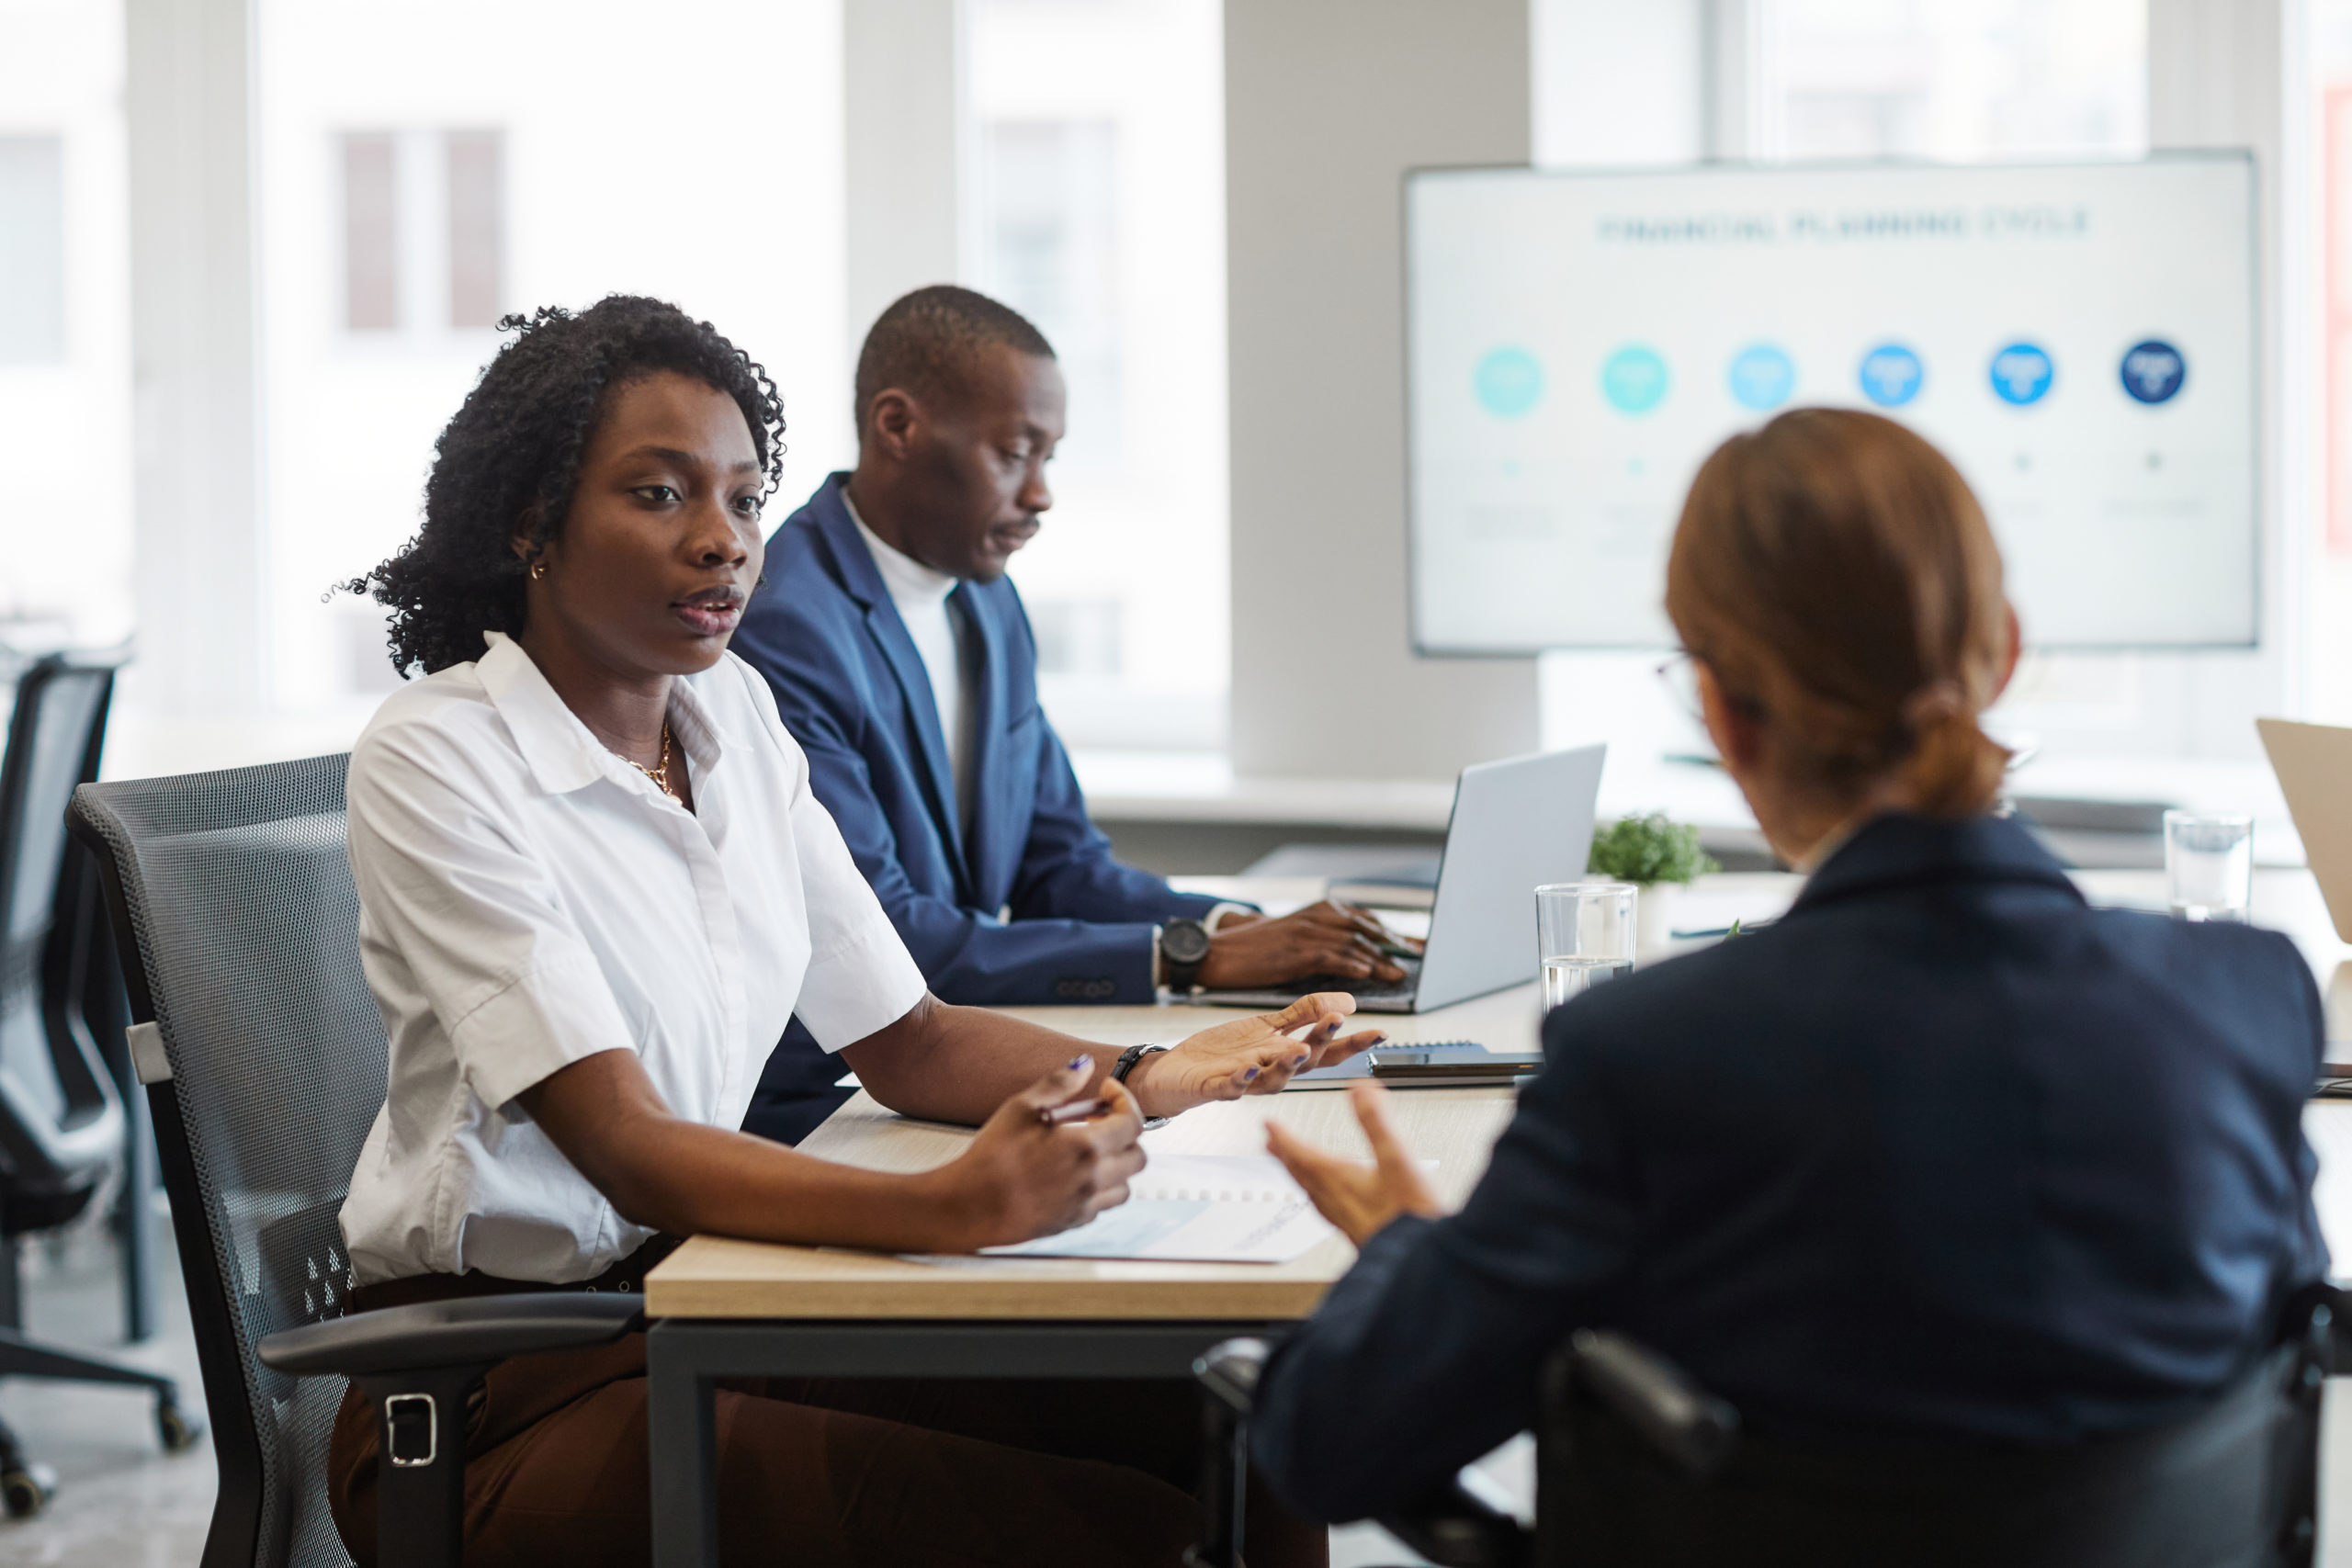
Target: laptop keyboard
(1367, 987)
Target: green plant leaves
(1649, 849)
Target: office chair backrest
(239, 924)
(61, 1124)
(2232, 1485)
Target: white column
(1328, 103)
(2226, 73)
(199, 532)
(1743, 117)
(903, 105)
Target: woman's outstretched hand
(1360, 1199)
(1026, 1175)
(1249, 1056)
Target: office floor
(123, 1504)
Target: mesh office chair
(1639, 1467)
(265, 1060)
(62, 1130)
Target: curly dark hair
(510, 458)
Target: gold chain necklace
(659, 776)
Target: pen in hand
(1076, 1110)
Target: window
(65, 367)
(1077, 636)
(1095, 206)
(32, 249)
(413, 185)
(1049, 190)
(370, 234)
(1929, 79)
(423, 230)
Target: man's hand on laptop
(1249, 1056)
(1328, 938)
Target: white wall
(906, 112)
(1328, 103)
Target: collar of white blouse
(562, 753)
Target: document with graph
(1195, 1208)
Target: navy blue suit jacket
(854, 694)
(1943, 1149)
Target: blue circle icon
(1510, 382)
(1633, 379)
(1762, 376)
(2022, 373)
(1891, 375)
(2154, 370)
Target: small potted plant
(1659, 856)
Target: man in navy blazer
(903, 663)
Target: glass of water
(1584, 934)
(2209, 864)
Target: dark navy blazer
(854, 694)
(1942, 1150)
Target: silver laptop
(2314, 762)
(1517, 824)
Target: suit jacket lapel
(863, 582)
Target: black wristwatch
(1130, 1056)
(1184, 948)
(1126, 1063)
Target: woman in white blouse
(593, 886)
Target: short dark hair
(513, 449)
(928, 342)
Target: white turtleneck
(920, 594)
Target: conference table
(719, 1308)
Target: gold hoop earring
(539, 570)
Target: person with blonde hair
(1943, 1153)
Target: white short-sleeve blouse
(527, 898)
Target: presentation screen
(2079, 340)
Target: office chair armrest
(1227, 1373)
(1450, 1528)
(2322, 1310)
(470, 1331)
(1663, 1405)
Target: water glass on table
(1584, 934)
(2209, 864)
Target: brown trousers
(820, 1473)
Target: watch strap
(1130, 1056)
(1126, 1063)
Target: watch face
(1184, 942)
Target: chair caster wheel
(179, 1430)
(27, 1489)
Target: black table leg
(680, 1422)
(685, 1357)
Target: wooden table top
(713, 1277)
